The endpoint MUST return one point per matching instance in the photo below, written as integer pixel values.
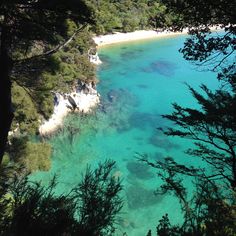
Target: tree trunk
(6, 112)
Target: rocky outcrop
(83, 100)
(93, 57)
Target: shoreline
(117, 37)
(86, 101)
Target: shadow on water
(105, 58)
(106, 62)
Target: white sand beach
(85, 102)
(118, 37)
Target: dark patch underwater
(162, 67)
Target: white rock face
(85, 102)
(95, 59)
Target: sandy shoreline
(117, 37)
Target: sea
(138, 82)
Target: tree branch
(54, 50)
(195, 137)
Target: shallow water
(138, 83)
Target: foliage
(203, 211)
(203, 13)
(99, 200)
(26, 117)
(5, 159)
(164, 228)
(205, 48)
(210, 210)
(73, 63)
(44, 47)
(31, 32)
(127, 15)
(213, 126)
(36, 210)
(58, 72)
(47, 49)
(213, 130)
(32, 156)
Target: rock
(72, 102)
(165, 68)
(113, 95)
(140, 197)
(164, 143)
(140, 170)
(143, 120)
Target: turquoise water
(138, 83)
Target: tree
(30, 32)
(214, 51)
(159, 18)
(210, 210)
(213, 130)
(32, 156)
(90, 208)
(205, 13)
(213, 126)
(26, 116)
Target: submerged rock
(142, 86)
(118, 105)
(164, 143)
(140, 197)
(140, 170)
(165, 68)
(122, 96)
(130, 54)
(113, 95)
(72, 102)
(158, 156)
(142, 120)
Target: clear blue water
(138, 83)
